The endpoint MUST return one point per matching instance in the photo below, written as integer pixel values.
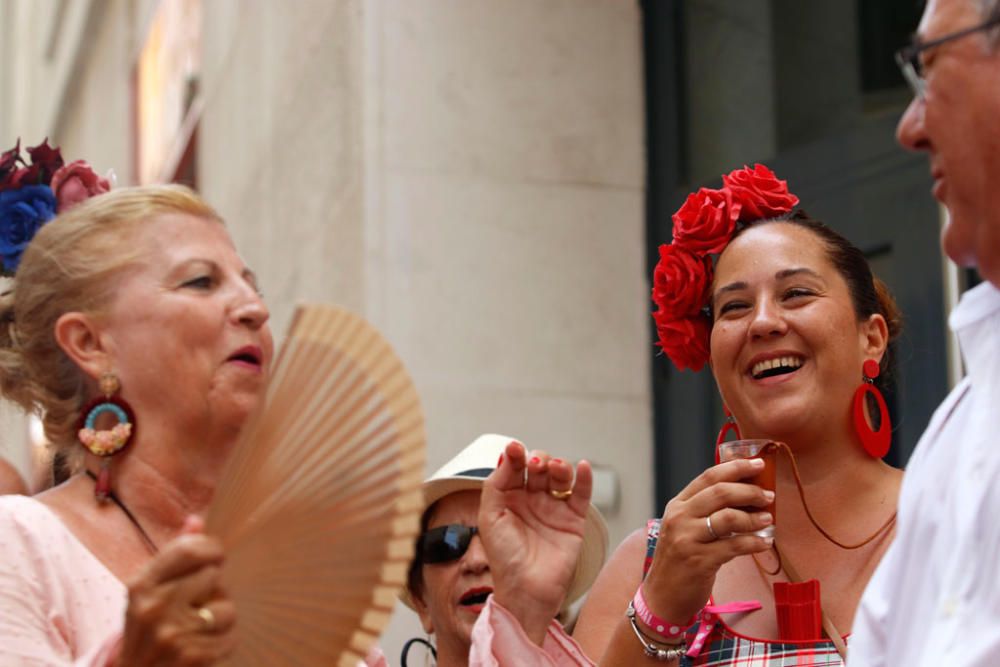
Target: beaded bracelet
(649, 647)
(664, 630)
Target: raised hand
(531, 521)
(689, 553)
(177, 612)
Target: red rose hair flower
(706, 221)
(8, 164)
(45, 161)
(760, 192)
(685, 340)
(681, 281)
(703, 227)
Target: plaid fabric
(725, 649)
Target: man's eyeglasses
(445, 543)
(908, 58)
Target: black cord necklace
(416, 640)
(131, 517)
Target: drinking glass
(755, 449)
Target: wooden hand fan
(320, 503)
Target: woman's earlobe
(877, 335)
(425, 616)
(79, 339)
(423, 612)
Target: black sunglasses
(445, 543)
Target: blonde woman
(138, 332)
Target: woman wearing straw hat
(449, 579)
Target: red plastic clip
(799, 613)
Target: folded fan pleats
(320, 503)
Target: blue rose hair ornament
(32, 193)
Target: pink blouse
(499, 641)
(59, 605)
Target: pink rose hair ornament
(32, 193)
(703, 227)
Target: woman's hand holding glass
(177, 612)
(704, 527)
(531, 520)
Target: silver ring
(711, 531)
(207, 618)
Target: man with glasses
(935, 597)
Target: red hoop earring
(729, 425)
(875, 441)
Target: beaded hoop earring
(105, 443)
(876, 440)
(729, 425)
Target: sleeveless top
(726, 648)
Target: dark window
(884, 26)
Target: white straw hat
(470, 468)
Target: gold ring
(207, 618)
(561, 495)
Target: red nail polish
(535, 459)
(500, 461)
(556, 461)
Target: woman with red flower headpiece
(796, 329)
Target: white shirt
(935, 597)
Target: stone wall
(467, 175)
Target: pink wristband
(668, 631)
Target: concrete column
(730, 86)
(469, 175)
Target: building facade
(469, 176)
